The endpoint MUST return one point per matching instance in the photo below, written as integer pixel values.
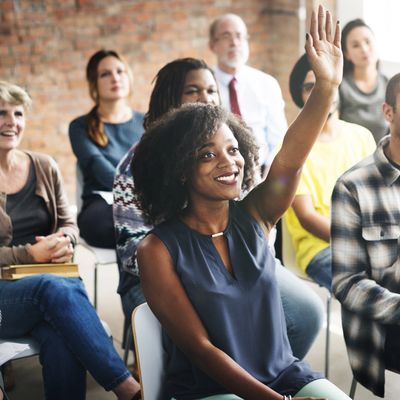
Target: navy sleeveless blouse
(242, 314)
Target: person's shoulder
(257, 73)
(359, 172)
(383, 78)
(78, 122)
(354, 131)
(41, 157)
(260, 80)
(138, 117)
(44, 161)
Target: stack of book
(67, 270)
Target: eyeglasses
(308, 86)
(230, 37)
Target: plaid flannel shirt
(365, 240)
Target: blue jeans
(320, 268)
(57, 312)
(304, 310)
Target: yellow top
(325, 164)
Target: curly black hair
(167, 151)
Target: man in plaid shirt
(365, 238)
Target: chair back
(149, 352)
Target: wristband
(288, 397)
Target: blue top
(242, 314)
(98, 163)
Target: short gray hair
(14, 94)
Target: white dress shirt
(261, 106)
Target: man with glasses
(246, 91)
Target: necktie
(233, 97)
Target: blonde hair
(15, 95)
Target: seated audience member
(183, 81)
(366, 257)
(243, 88)
(215, 285)
(339, 146)
(36, 227)
(362, 91)
(100, 139)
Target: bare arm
(310, 219)
(269, 200)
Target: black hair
(167, 152)
(169, 85)
(296, 79)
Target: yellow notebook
(67, 270)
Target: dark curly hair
(167, 151)
(168, 87)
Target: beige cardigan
(49, 186)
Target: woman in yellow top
(339, 146)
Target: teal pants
(318, 388)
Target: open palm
(323, 48)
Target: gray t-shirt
(362, 108)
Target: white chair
(102, 256)
(149, 352)
(289, 261)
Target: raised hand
(323, 48)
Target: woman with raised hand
(362, 91)
(216, 294)
(179, 82)
(36, 226)
(100, 139)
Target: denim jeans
(320, 268)
(57, 312)
(304, 310)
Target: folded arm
(310, 219)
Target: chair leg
(95, 286)
(353, 388)
(328, 335)
(128, 343)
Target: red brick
(62, 35)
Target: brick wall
(45, 45)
